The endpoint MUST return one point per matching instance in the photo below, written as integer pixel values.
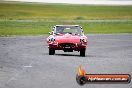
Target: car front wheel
(51, 51)
(82, 52)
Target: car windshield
(68, 29)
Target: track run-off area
(25, 63)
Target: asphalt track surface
(25, 63)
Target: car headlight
(52, 39)
(83, 40)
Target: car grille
(67, 44)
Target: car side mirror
(50, 33)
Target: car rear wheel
(82, 52)
(51, 51)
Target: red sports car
(68, 38)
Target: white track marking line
(18, 73)
(27, 66)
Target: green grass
(37, 19)
(43, 27)
(62, 12)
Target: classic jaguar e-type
(68, 38)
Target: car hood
(67, 38)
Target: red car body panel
(67, 39)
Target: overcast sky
(106, 2)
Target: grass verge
(43, 27)
(37, 19)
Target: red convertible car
(68, 38)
